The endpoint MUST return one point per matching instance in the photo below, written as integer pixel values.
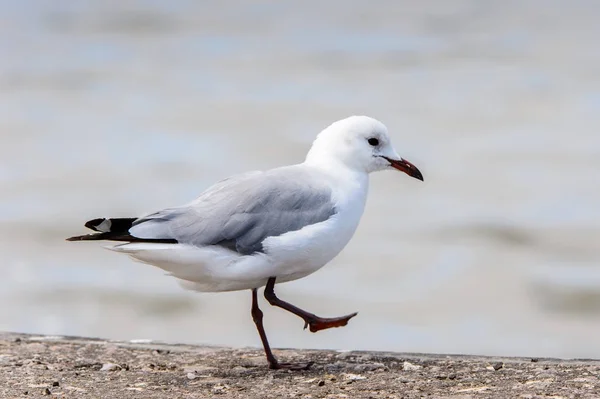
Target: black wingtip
(115, 229)
(93, 224)
(86, 237)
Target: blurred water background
(112, 108)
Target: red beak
(406, 167)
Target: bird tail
(115, 229)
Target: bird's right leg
(314, 322)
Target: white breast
(300, 253)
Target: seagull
(255, 229)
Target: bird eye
(373, 141)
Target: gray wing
(241, 212)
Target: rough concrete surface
(70, 367)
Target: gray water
(121, 108)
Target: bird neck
(338, 170)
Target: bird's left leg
(257, 316)
(314, 322)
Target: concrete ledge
(73, 367)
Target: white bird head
(360, 143)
